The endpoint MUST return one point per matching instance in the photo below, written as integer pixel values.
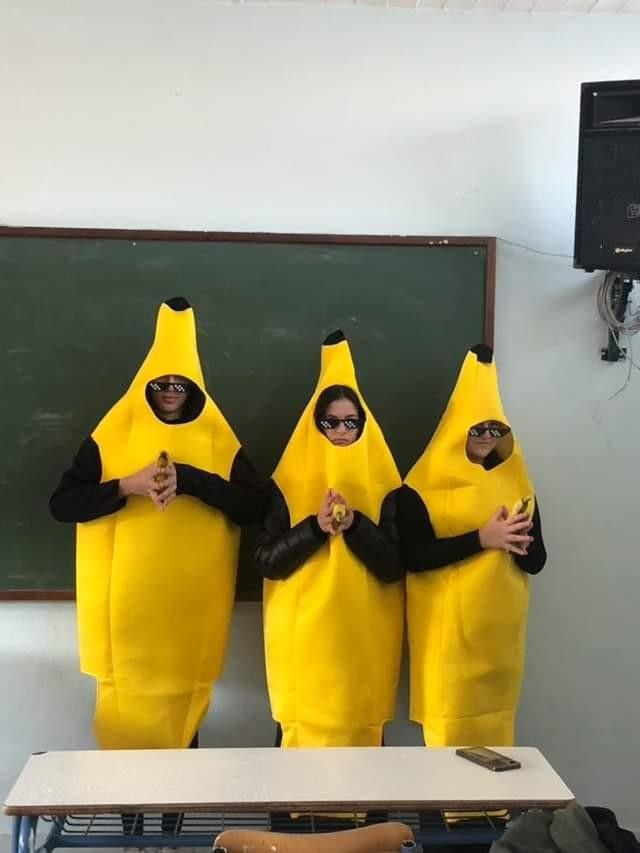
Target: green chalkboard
(78, 316)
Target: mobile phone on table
(488, 758)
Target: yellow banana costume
(155, 589)
(333, 631)
(467, 622)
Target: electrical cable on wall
(613, 305)
(622, 318)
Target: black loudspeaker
(608, 199)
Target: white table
(256, 780)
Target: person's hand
(141, 483)
(325, 517)
(347, 519)
(507, 533)
(165, 491)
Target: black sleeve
(281, 549)
(80, 496)
(243, 498)
(420, 547)
(376, 545)
(535, 558)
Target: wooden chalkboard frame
(487, 243)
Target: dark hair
(329, 396)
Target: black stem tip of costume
(177, 303)
(483, 353)
(334, 338)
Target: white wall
(192, 115)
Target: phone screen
(486, 754)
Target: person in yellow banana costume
(157, 544)
(469, 543)
(333, 600)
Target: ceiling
(588, 7)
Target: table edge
(291, 805)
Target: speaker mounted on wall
(607, 235)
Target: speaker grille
(608, 198)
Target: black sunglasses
(178, 387)
(333, 423)
(493, 430)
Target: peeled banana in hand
(162, 467)
(338, 515)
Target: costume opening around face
(467, 622)
(333, 631)
(155, 589)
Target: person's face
(480, 440)
(341, 423)
(169, 401)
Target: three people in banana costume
(160, 488)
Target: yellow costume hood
(175, 346)
(467, 622)
(333, 632)
(155, 589)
